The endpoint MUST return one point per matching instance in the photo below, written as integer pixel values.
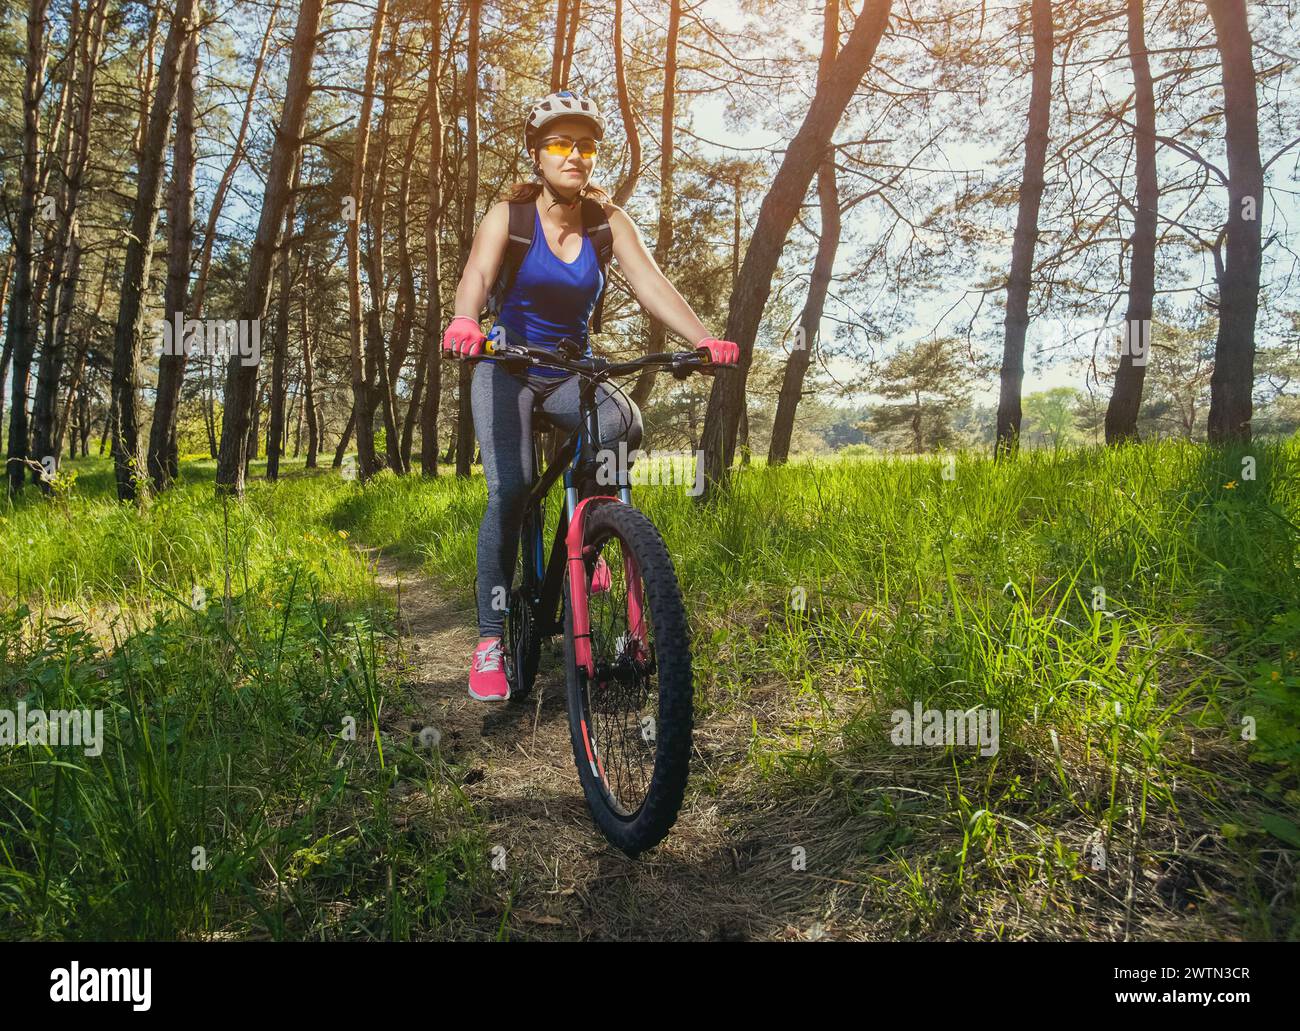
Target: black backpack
(522, 224)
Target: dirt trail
(715, 877)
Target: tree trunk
(1016, 322)
(379, 388)
(50, 425)
(664, 237)
(571, 34)
(557, 48)
(85, 423)
(383, 369)
(109, 419)
(55, 246)
(414, 409)
(280, 356)
(359, 324)
(65, 248)
(6, 353)
(630, 130)
(1126, 397)
(433, 262)
(58, 318)
(51, 251)
(345, 439)
(144, 79)
(796, 367)
(241, 379)
(90, 51)
(75, 388)
(802, 159)
(295, 410)
(19, 339)
(139, 253)
(180, 244)
(210, 410)
(1238, 271)
(309, 394)
(464, 414)
(398, 443)
(250, 452)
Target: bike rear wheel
(630, 725)
(523, 644)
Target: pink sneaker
(487, 680)
(600, 579)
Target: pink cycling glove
(463, 338)
(721, 352)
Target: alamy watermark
(75, 728)
(218, 337)
(941, 727)
(656, 468)
(75, 983)
(1129, 337)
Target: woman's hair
(523, 192)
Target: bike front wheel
(631, 723)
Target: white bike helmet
(563, 104)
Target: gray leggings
(503, 402)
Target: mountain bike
(627, 648)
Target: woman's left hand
(720, 352)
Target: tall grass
(1132, 614)
(256, 778)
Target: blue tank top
(552, 299)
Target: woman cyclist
(551, 299)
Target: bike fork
(580, 610)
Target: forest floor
(716, 877)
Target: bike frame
(576, 462)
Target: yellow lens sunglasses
(562, 146)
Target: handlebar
(682, 363)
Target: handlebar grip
(486, 352)
(706, 362)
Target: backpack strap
(602, 238)
(520, 238)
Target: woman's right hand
(463, 338)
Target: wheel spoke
(623, 695)
(632, 711)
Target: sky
(709, 122)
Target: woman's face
(569, 171)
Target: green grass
(253, 780)
(1132, 615)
